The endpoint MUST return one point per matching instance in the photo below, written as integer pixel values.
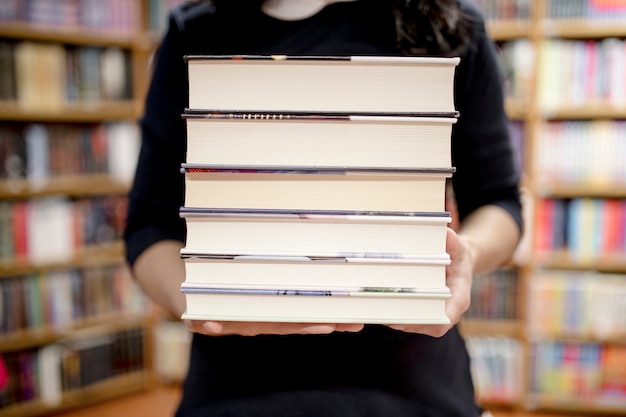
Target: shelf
(504, 30)
(77, 112)
(615, 263)
(105, 254)
(614, 339)
(72, 35)
(73, 186)
(104, 390)
(486, 328)
(608, 263)
(581, 191)
(584, 28)
(575, 404)
(595, 111)
(28, 338)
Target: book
(285, 270)
(8, 89)
(409, 191)
(13, 156)
(355, 84)
(39, 76)
(316, 139)
(314, 305)
(283, 231)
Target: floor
(161, 402)
(157, 402)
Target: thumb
(453, 244)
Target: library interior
(546, 332)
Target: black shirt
(378, 371)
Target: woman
(292, 369)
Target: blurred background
(547, 332)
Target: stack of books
(315, 188)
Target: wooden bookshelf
(537, 29)
(137, 43)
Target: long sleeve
(482, 151)
(158, 189)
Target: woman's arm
(159, 271)
(491, 236)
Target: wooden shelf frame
(105, 390)
(68, 185)
(97, 255)
(73, 112)
(74, 35)
(47, 334)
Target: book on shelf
(315, 304)
(13, 156)
(318, 139)
(315, 189)
(7, 70)
(39, 76)
(285, 270)
(356, 84)
(496, 367)
(287, 231)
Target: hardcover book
(332, 305)
(283, 231)
(410, 191)
(318, 140)
(354, 84)
(289, 270)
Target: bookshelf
(573, 273)
(72, 85)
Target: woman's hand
(223, 328)
(459, 276)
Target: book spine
(209, 114)
(217, 212)
(187, 168)
(311, 292)
(452, 61)
(326, 257)
(192, 113)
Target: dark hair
(431, 27)
(423, 27)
